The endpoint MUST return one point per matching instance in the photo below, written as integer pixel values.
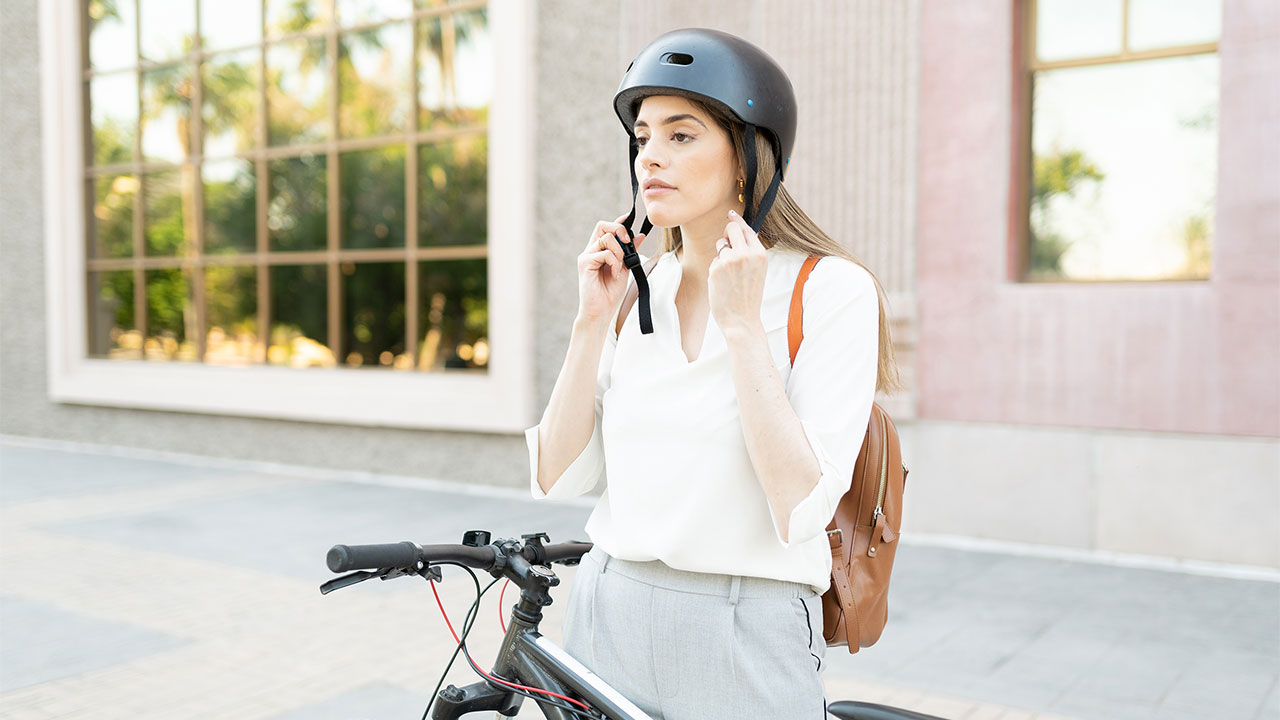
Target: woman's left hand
(735, 283)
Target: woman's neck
(698, 246)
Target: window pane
(296, 208)
(230, 23)
(113, 34)
(113, 329)
(297, 92)
(231, 302)
(166, 113)
(168, 28)
(373, 198)
(230, 103)
(111, 227)
(374, 78)
(1125, 170)
(373, 314)
(455, 70)
(299, 319)
(358, 12)
(167, 203)
(113, 101)
(291, 16)
(1078, 28)
(453, 192)
(1167, 23)
(453, 314)
(171, 316)
(230, 206)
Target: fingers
(745, 236)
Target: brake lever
(346, 580)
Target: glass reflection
(1125, 170)
(113, 328)
(230, 206)
(168, 28)
(453, 192)
(167, 205)
(1169, 23)
(166, 113)
(373, 307)
(372, 183)
(299, 319)
(297, 92)
(230, 97)
(296, 207)
(455, 70)
(113, 102)
(113, 34)
(291, 16)
(360, 12)
(453, 314)
(231, 307)
(230, 23)
(171, 316)
(374, 81)
(1078, 28)
(111, 225)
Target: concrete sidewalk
(146, 587)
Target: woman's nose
(650, 156)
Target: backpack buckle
(839, 535)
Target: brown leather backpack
(868, 517)
(867, 520)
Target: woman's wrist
(590, 326)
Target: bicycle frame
(529, 658)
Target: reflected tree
(1059, 173)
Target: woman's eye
(641, 141)
(677, 137)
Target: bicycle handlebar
(344, 558)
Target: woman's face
(684, 148)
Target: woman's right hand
(602, 276)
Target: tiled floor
(146, 588)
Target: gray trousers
(698, 646)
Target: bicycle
(528, 664)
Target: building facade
(226, 293)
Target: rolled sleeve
(832, 385)
(582, 474)
(586, 470)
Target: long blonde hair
(788, 227)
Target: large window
(298, 183)
(1119, 157)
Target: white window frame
(500, 400)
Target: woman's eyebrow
(672, 119)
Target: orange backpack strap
(795, 329)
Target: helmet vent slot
(677, 59)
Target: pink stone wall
(1201, 357)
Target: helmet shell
(721, 69)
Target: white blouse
(669, 439)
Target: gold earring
(740, 190)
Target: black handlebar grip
(343, 558)
(560, 552)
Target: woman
(701, 597)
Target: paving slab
(156, 588)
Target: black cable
(468, 622)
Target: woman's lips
(658, 190)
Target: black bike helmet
(729, 74)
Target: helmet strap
(753, 218)
(750, 193)
(630, 257)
